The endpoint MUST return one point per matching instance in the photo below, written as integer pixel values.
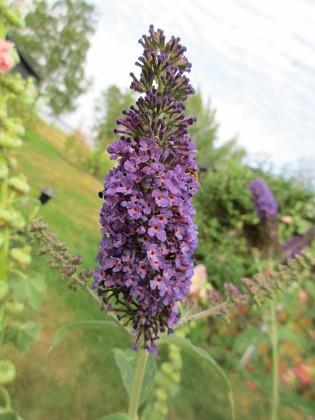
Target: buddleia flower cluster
(267, 210)
(264, 201)
(149, 236)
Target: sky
(255, 61)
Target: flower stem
(215, 310)
(275, 362)
(137, 384)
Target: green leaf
(247, 337)
(30, 289)
(285, 334)
(310, 288)
(126, 362)
(65, 329)
(303, 404)
(303, 225)
(116, 416)
(23, 335)
(201, 355)
(11, 415)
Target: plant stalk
(275, 362)
(137, 384)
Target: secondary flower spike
(264, 201)
(267, 210)
(297, 243)
(146, 253)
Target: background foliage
(56, 40)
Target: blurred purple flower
(264, 201)
(145, 256)
(296, 244)
(267, 211)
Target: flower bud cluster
(145, 256)
(61, 259)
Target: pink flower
(303, 296)
(303, 374)
(198, 281)
(251, 385)
(6, 59)
(288, 377)
(286, 219)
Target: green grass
(73, 212)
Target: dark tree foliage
(56, 40)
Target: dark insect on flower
(100, 194)
(149, 236)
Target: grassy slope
(67, 382)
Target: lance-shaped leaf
(90, 324)
(116, 416)
(201, 355)
(126, 362)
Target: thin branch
(87, 290)
(216, 310)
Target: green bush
(228, 225)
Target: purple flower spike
(296, 244)
(264, 201)
(149, 236)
